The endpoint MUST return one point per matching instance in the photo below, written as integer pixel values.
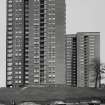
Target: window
(18, 32)
(16, 54)
(9, 82)
(10, 23)
(9, 10)
(9, 32)
(9, 55)
(20, 72)
(9, 73)
(16, 72)
(10, 42)
(9, 68)
(18, 45)
(26, 77)
(9, 64)
(26, 81)
(18, 18)
(16, 77)
(36, 56)
(9, 37)
(20, 54)
(19, 49)
(9, 77)
(37, 42)
(20, 63)
(16, 63)
(18, 1)
(10, 5)
(20, 82)
(9, 1)
(9, 28)
(49, 76)
(53, 76)
(19, 68)
(36, 0)
(51, 0)
(36, 75)
(9, 60)
(26, 72)
(36, 70)
(10, 51)
(20, 77)
(19, 9)
(91, 54)
(36, 61)
(36, 80)
(16, 81)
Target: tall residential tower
(81, 58)
(35, 42)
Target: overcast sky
(82, 16)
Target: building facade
(15, 43)
(35, 42)
(83, 52)
(71, 60)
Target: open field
(40, 94)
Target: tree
(99, 71)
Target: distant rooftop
(96, 33)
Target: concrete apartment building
(35, 42)
(81, 56)
(71, 60)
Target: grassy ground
(49, 94)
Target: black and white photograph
(52, 52)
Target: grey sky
(82, 16)
(87, 15)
